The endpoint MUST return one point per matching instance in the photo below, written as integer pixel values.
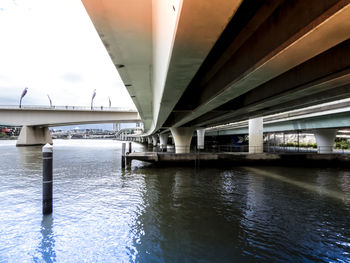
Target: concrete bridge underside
(195, 64)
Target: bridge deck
(64, 115)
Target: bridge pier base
(182, 137)
(163, 141)
(325, 140)
(33, 136)
(256, 138)
(200, 138)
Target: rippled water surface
(147, 214)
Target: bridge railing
(70, 108)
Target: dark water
(145, 214)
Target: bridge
(194, 64)
(325, 116)
(36, 120)
(323, 121)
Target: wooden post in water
(123, 154)
(47, 179)
(130, 147)
(128, 161)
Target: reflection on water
(47, 244)
(147, 214)
(29, 155)
(319, 187)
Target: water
(147, 214)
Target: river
(147, 214)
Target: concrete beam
(315, 99)
(326, 77)
(292, 35)
(329, 121)
(197, 29)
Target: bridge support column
(325, 140)
(33, 135)
(182, 137)
(155, 140)
(163, 141)
(200, 138)
(256, 139)
(149, 140)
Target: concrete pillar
(149, 140)
(155, 140)
(200, 138)
(163, 141)
(182, 137)
(256, 140)
(325, 140)
(33, 135)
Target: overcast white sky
(51, 47)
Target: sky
(52, 47)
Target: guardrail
(70, 108)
